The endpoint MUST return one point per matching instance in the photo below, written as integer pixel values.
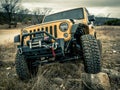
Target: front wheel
(91, 54)
(24, 67)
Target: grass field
(47, 78)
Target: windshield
(70, 14)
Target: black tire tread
(21, 67)
(91, 54)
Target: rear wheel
(24, 68)
(91, 54)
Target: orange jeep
(61, 37)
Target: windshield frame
(56, 16)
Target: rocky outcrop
(98, 81)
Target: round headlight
(63, 27)
(24, 32)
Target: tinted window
(70, 14)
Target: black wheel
(24, 68)
(91, 54)
(100, 46)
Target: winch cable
(53, 52)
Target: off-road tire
(24, 69)
(100, 46)
(91, 54)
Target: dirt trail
(8, 35)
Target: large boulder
(114, 78)
(113, 74)
(98, 81)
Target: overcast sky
(96, 7)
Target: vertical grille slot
(46, 29)
(42, 29)
(34, 31)
(30, 35)
(38, 29)
(37, 35)
(51, 30)
(55, 30)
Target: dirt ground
(7, 35)
(57, 76)
(110, 38)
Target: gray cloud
(91, 3)
(111, 3)
(112, 6)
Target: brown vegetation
(62, 76)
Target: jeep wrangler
(61, 37)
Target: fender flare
(74, 28)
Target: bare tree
(9, 8)
(39, 14)
(23, 13)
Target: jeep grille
(51, 29)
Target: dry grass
(57, 76)
(8, 35)
(110, 37)
(49, 77)
(7, 51)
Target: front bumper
(39, 52)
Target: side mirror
(17, 39)
(91, 18)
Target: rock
(8, 68)
(109, 51)
(113, 74)
(58, 81)
(114, 51)
(69, 76)
(15, 75)
(62, 86)
(98, 81)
